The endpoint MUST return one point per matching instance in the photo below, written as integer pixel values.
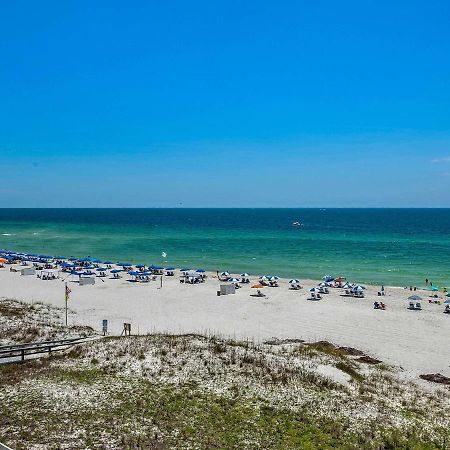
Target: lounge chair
(418, 306)
(411, 305)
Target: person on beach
(426, 281)
(382, 290)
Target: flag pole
(65, 297)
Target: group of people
(379, 305)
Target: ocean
(379, 246)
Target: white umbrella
(233, 280)
(245, 275)
(294, 281)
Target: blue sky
(225, 103)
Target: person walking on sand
(382, 290)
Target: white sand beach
(417, 341)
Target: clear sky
(225, 103)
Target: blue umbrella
(200, 270)
(116, 270)
(108, 262)
(59, 257)
(101, 269)
(134, 273)
(124, 264)
(185, 270)
(140, 266)
(72, 259)
(170, 268)
(156, 267)
(76, 273)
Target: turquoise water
(389, 246)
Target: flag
(68, 291)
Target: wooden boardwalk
(16, 353)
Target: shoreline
(416, 341)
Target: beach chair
(318, 297)
(418, 306)
(411, 305)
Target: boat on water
(297, 224)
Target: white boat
(297, 224)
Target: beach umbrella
(101, 269)
(170, 268)
(140, 266)
(124, 264)
(434, 289)
(200, 270)
(263, 278)
(257, 286)
(234, 280)
(313, 290)
(414, 298)
(186, 269)
(108, 262)
(116, 270)
(58, 257)
(72, 259)
(294, 281)
(274, 278)
(245, 275)
(224, 274)
(134, 273)
(156, 267)
(145, 274)
(328, 278)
